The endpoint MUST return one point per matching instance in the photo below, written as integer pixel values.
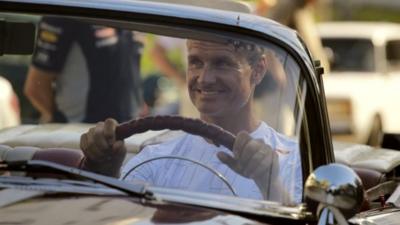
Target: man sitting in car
(221, 79)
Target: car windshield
(82, 73)
(350, 54)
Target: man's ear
(259, 70)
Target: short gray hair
(252, 52)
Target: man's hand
(256, 160)
(103, 153)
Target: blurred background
(357, 42)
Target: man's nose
(207, 75)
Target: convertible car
(178, 153)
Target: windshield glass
(82, 73)
(350, 54)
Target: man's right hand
(103, 153)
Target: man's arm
(38, 89)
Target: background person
(296, 14)
(83, 73)
(9, 105)
(168, 59)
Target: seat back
(370, 178)
(63, 156)
(66, 157)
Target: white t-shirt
(180, 174)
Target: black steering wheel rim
(216, 134)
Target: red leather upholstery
(67, 157)
(370, 178)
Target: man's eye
(195, 63)
(223, 64)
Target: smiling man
(221, 82)
(221, 79)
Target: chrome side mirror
(339, 191)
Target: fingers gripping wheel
(194, 126)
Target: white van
(363, 86)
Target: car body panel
(102, 204)
(115, 210)
(104, 210)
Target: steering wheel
(216, 134)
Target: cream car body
(362, 104)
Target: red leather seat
(66, 157)
(370, 178)
(63, 156)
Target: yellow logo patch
(48, 36)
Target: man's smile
(210, 92)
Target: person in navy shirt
(84, 73)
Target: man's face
(219, 78)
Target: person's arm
(262, 7)
(159, 55)
(47, 63)
(256, 160)
(38, 89)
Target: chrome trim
(240, 205)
